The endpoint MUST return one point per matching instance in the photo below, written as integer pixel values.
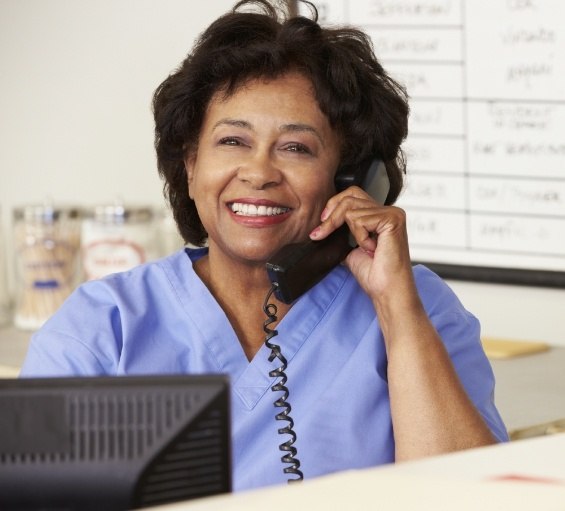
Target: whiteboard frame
(492, 275)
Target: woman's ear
(189, 161)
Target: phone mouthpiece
(299, 266)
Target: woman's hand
(381, 263)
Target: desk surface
(530, 389)
(517, 476)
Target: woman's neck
(226, 278)
(240, 290)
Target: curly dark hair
(362, 102)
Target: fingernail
(315, 233)
(324, 214)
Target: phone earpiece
(376, 182)
(371, 175)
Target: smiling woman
(381, 361)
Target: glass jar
(116, 238)
(47, 248)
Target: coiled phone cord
(287, 447)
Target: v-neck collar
(250, 379)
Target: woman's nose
(260, 172)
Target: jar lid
(120, 213)
(46, 213)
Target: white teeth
(253, 210)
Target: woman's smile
(257, 207)
(258, 213)
(240, 208)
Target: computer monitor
(113, 443)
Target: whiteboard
(485, 185)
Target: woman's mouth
(244, 209)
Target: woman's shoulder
(128, 291)
(425, 276)
(436, 294)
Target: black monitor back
(113, 443)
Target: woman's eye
(230, 141)
(298, 148)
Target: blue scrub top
(161, 318)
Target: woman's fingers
(354, 207)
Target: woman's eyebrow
(238, 123)
(301, 128)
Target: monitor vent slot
(28, 458)
(194, 466)
(122, 427)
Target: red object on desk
(527, 479)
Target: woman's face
(264, 167)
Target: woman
(384, 363)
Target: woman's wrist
(401, 314)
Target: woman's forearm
(431, 412)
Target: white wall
(76, 79)
(76, 83)
(516, 312)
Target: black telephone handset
(297, 267)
